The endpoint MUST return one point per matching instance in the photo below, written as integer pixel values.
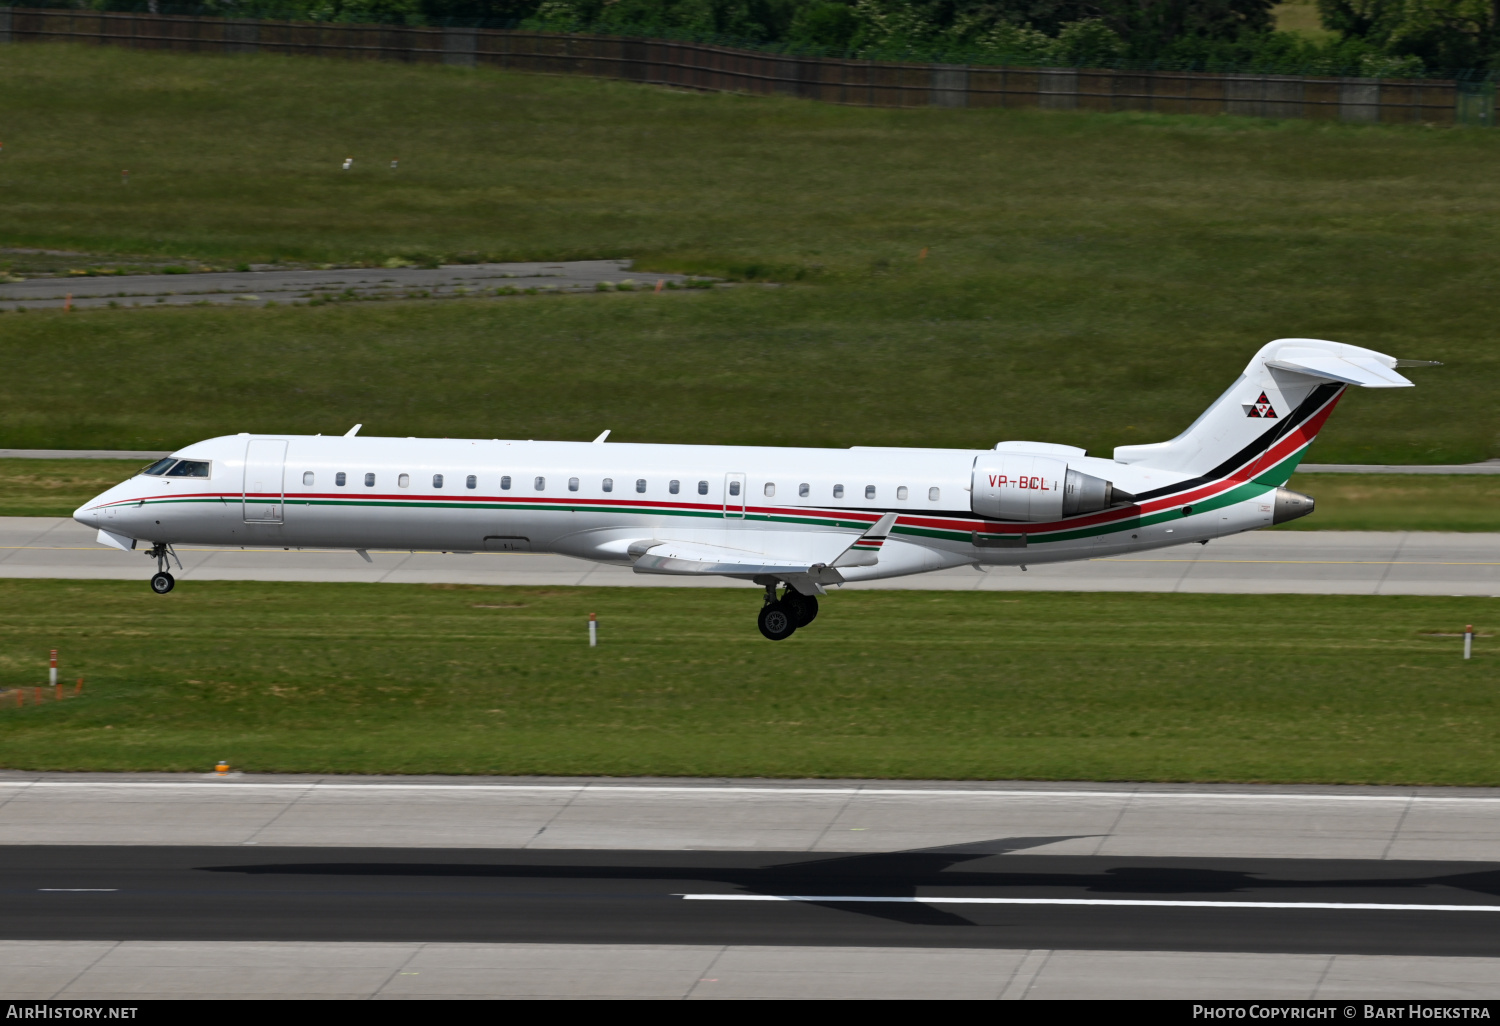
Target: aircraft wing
(786, 555)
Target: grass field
(395, 678)
(1346, 502)
(1092, 279)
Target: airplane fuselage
(801, 520)
(604, 501)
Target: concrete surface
(80, 970)
(1265, 562)
(1487, 467)
(1142, 820)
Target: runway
(159, 885)
(987, 894)
(1264, 562)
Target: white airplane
(801, 520)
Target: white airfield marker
(1127, 902)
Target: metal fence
(719, 68)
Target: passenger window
(189, 468)
(404, 481)
(340, 479)
(159, 468)
(572, 484)
(734, 488)
(869, 491)
(504, 482)
(609, 484)
(640, 484)
(838, 491)
(307, 478)
(804, 490)
(933, 495)
(437, 480)
(369, 480)
(901, 494)
(473, 482)
(541, 483)
(770, 490)
(674, 487)
(702, 487)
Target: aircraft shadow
(895, 874)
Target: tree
(1442, 33)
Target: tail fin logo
(1261, 408)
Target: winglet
(865, 550)
(353, 431)
(602, 437)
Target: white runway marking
(697, 792)
(78, 890)
(1128, 902)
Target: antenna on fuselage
(353, 431)
(602, 437)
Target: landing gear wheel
(776, 621)
(804, 608)
(162, 583)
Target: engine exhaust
(1290, 505)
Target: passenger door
(734, 495)
(263, 494)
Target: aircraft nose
(95, 512)
(88, 514)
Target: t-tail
(1255, 434)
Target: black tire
(776, 622)
(804, 608)
(162, 583)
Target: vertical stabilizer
(1259, 429)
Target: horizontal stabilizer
(1366, 371)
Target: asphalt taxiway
(259, 287)
(1263, 562)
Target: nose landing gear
(780, 617)
(162, 581)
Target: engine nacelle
(1037, 488)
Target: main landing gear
(162, 581)
(780, 617)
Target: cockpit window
(159, 468)
(190, 468)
